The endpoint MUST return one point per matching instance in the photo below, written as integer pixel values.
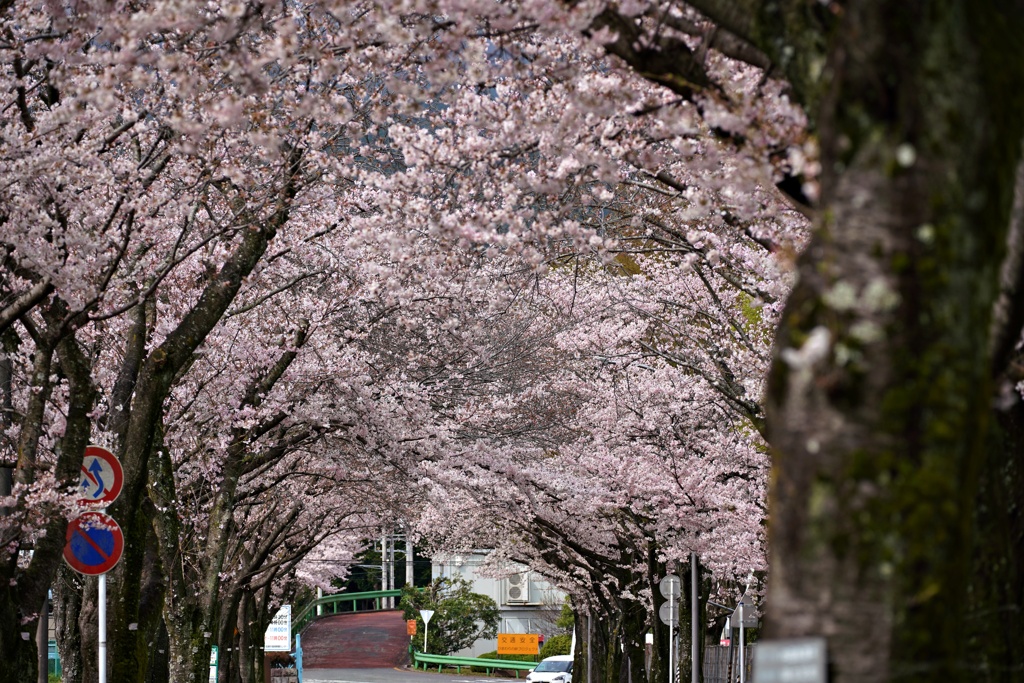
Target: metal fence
(722, 663)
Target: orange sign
(410, 627)
(518, 644)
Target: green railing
(331, 605)
(458, 662)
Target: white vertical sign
(214, 652)
(426, 614)
(278, 637)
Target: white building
(528, 603)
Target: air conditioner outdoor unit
(517, 588)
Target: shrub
(461, 617)
(556, 645)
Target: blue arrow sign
(96, 469)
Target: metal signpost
(694, 625)
(746, 617)
(669, 587)
(94, 541)
(297, 656)
(426, 614)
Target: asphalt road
(397, 675)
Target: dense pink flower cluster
(506, 288)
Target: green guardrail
(332, 604)
(458, 662)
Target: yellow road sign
(518, 643)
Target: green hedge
(556, 645)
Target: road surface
(396, 675)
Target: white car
(556, 669)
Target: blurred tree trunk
(880, 403)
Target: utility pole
(384, 567)
(391, 568)
(410, 579)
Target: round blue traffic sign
(94, 543)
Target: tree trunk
(248, 645)
(88, 631)
(228, 637)
(632, 640)
(159, 662)
(880, 397)
(659, 630)
(67, 604)
(994, 627)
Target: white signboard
(802, 660)
(213, 664)
(278, 637)
(669, 587)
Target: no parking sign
(94, 543)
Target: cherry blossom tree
(197, 189)
(612, 461)
(184, 182)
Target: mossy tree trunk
(597, 652)
(880, 405)
(67, 604)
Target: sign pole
(426, 614)
(742, 668)
(298, 656)
(672, 638)
(668, 613)
(94, 542)
(102, 599)
(694, 653)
